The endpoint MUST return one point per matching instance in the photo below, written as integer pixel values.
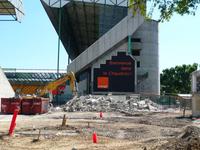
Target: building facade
(111, 50)
(137, 72)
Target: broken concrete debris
(110, 104)
(188, 139)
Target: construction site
(108, 97)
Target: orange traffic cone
(94, 137)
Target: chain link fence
(169, 101)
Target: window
(135, 52)
(138, 64)
(135, 40)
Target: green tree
(178, 79)
(166, 7)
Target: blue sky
(32, 44)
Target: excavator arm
(60, 81)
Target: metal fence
(169, 101)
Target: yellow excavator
(54, 85)
(46, 91)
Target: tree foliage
(178, 79)
(166, 7)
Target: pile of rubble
(189, 139)
(109, 104)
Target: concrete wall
(196, 105)
(83, 87)
(102, 60)
(119, 32)
(196, 81)
(196, 93)
(84, 82)
(6, 89)
(149, 57)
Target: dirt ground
(116, 131)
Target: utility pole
(59, 35)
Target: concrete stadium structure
(111, 50)
(11, 10)
(196, 93)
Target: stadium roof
(33, 77)
(83, 22)
(11, 10)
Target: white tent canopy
(6, 89)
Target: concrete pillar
(196, 105)
(194, 82)
(149, 57)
